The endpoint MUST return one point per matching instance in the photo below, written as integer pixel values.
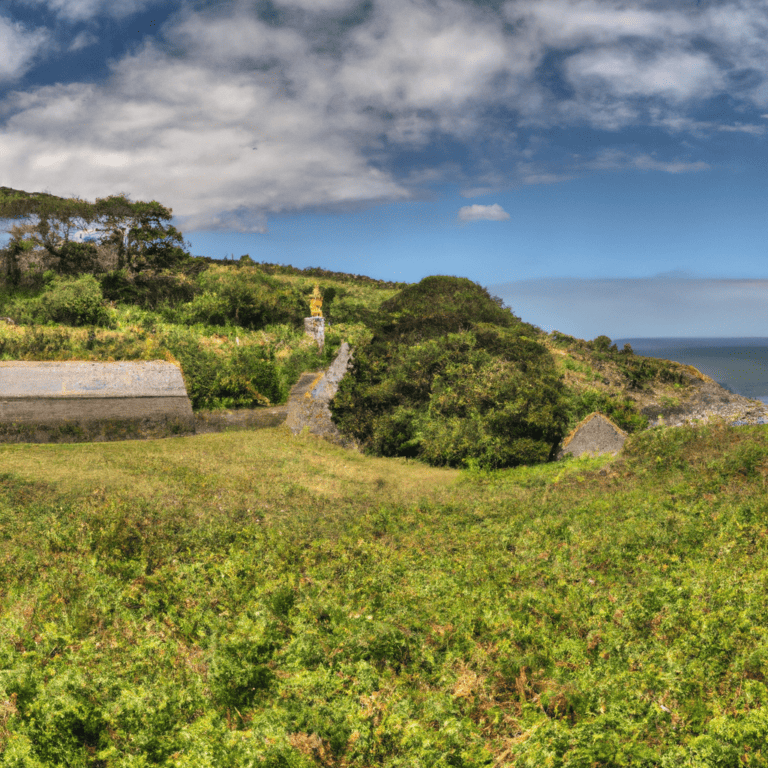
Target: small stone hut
(77, 401)
(594, 435)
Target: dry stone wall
(308, 406)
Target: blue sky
(600, 164)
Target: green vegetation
(452, 378)
(252, 599)
(443, 371)
(135, 293)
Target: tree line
(140, 233)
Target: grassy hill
(252, 599)
(235, 328)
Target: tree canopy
(140, 231)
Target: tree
(141, 231)
(142, 234)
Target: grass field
(252, 599)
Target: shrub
(438, 305)
(489, 396)
(148, 289)
(76, 302)
(78, 258)
(247, 377)
(245, 297)
(621, 410)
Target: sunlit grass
(258, 599)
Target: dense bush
(244, 297)
(454, 380)
(246, 377)
(148, 289)
(70, 301)
(621, 410)
(438, 305)
(78, 258)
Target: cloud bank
(229, 116)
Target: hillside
(252, 599)
(661, 391)
(235, 328)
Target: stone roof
(594, 435)
(21, 379)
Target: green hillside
(254, 599)
(443, 371)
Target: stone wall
(308, 405)
(92, 401)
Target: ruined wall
(308, 405)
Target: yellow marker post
(316, 303)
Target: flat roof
(75, 379)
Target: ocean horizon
(738, 364)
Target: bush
(488, 396)
(245, 297)
(248, 377)
(439, 305)
(75, 302)
(148, 289)
(78, 258)
(621, 410)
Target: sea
(739, 364)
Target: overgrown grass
(251, 599)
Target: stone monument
(314, 326)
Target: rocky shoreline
(707, 401)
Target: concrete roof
(75, 379)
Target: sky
(599, 164)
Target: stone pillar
(315, 327)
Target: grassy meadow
(253, 599)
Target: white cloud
(18, 48)
(79, 10)
(672, 75)
(441, 56)
(482, 213)
(218, 146)
(754, 130)
(83, 40)
(617, 160)
(318, 6)
(245, 119)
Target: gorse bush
(245, 297)
(451, 387)
(69, 301)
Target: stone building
(79, 401)
(594, 435)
